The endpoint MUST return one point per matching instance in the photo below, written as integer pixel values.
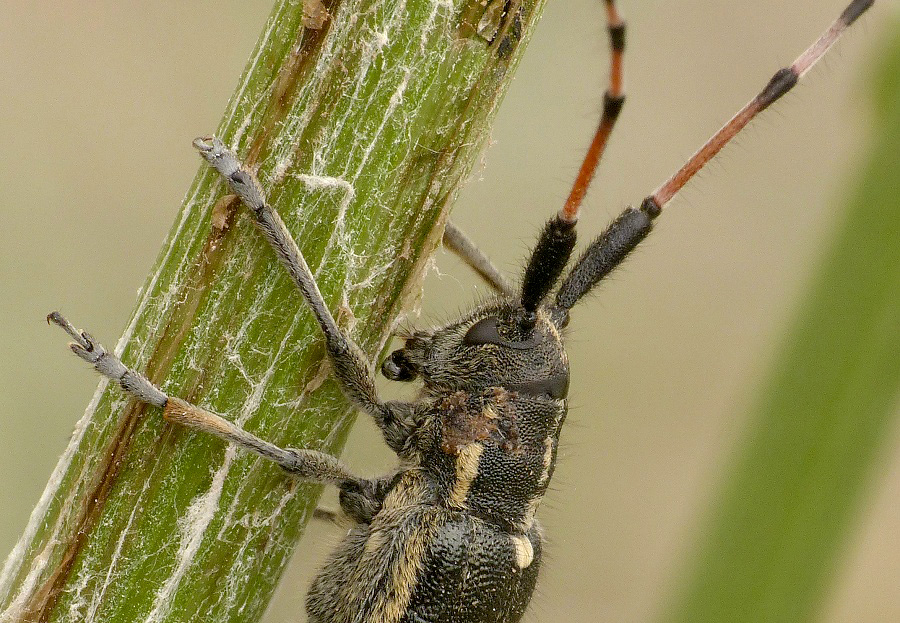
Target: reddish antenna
(613, 100)
(782, 82)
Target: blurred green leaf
(793, 495)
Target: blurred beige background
(100, 100)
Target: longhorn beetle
(451, 535)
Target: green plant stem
(362, 128)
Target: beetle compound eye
(487, 331)
(483, 332)
(397, 367)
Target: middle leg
(351, 366)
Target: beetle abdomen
(425, 564)
(476, 573)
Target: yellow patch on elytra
(466, 470)
(548, 459)
(377, 539)
(409, 491)
(523, 550)
(405, 567)
(528, 518)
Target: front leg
(350, 364)
(306, 464)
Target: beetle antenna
(613, 101)
(633, 225)
(782, 82)
(555, 244)
(547, 261)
